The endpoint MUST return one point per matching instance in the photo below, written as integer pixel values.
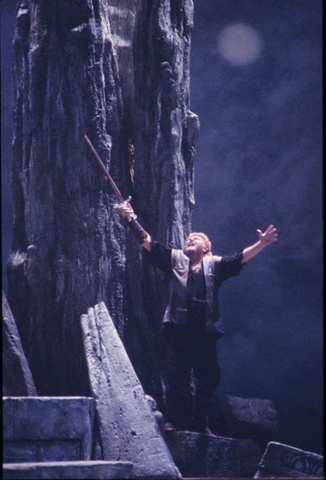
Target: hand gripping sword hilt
(125, 202)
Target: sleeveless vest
(176, 303)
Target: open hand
(269, 236)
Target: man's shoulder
(212, 258)
(178, 257)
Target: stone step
(98, 469)
(47, 429)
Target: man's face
(195, 244)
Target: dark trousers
(186, 351)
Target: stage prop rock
(39, 429)
(205, 456)
(79, 470)
(127, 426)
(251, 418)
(284, 461)
(157, 414)
(17, 379)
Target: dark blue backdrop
(257, 90)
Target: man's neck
(195, 261)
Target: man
(192, 321)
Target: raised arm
(265, 239)
(143, 238)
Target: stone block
(281, 461)
(79, 469)
(16, 375)
(8, 418)
(204, 456)
(250, 417)
(127, 426)
(39, 429)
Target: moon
(239, 44)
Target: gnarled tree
(117, 71)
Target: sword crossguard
(125, 202)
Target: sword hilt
(125, 202)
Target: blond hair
(207, 241)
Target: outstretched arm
(141, 235)
(265, 239)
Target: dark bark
(118, 72)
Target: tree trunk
(119, 73)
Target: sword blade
(115, 188)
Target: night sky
(256, 87)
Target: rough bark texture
(117, 71)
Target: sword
(113, 185)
